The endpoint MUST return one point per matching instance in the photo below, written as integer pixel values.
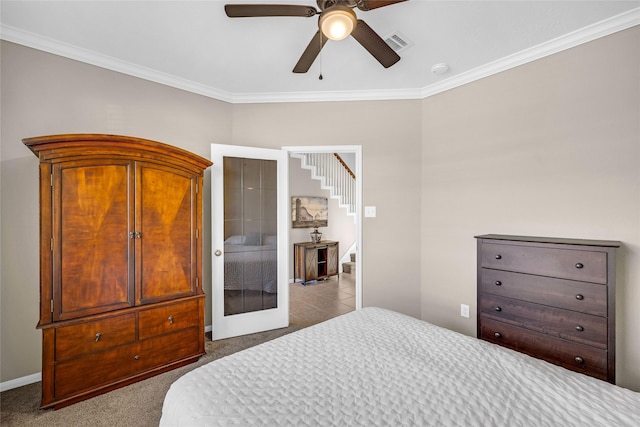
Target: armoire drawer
(94, 336)
(77, 375)
(168, 318)
(582, 265)
(570, 325)
(168, 348)
(578, 296)
(570, 355)
(85, 373)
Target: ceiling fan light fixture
(337, 22)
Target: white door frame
(357, 150)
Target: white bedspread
(377, 367)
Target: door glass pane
(250, 230)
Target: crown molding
(45, 44)
(328, 96)
(592, 32)
(603, 28)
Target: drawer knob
(579, 360)
(136, 357)
(498, 256)
(580, 297)
(170, 320)
(498, 308)
(98, 336)
(579, 265)
(579, 328)
(497, 334)
(498, 283)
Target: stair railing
(335, 176)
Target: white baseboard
(19, 382)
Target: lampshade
(337, 22)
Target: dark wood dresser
(120, 262)
(551, 298)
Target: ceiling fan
(337, 20)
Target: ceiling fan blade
(374, 4)
(258, 10)
(310, 53)
(374, 44)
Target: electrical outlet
(464, 310)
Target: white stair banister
(333, 175)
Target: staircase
(334, 175)
(348, 267)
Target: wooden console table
(315, 261)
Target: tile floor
(317, 302)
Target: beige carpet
(139, 404)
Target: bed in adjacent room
(378, 367)
(251, 263)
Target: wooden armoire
(120, 262)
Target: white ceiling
(194, 46)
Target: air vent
(398, 42)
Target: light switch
(370, 211)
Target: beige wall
(44, 94)
(551, 148)
(389, 132)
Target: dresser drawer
(582, 265)
(570, 355)
(578, 296)
(91, 337)
(570, 325)
(168, 318)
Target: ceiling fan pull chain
(320, 57)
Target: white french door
(249, 226)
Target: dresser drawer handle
(498, 256)
(98, 336)
(170, 319)
(580, 297)
(498, 308)
(498, 283)
(579, 265)
(497, 334)
(579, 328)
(136, 357)
(579, 360)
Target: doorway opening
(350, 249)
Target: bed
(378, 367)
(250, 265)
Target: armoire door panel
(91, 238)
(166, 221)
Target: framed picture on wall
(309, 212)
